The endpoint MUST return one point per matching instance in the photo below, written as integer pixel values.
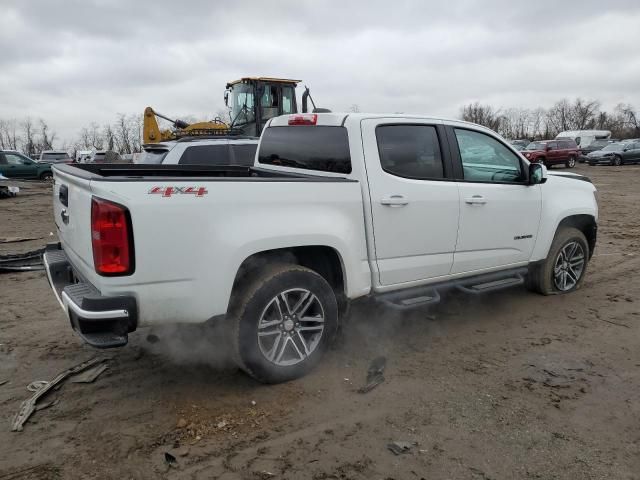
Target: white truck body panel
(389, 232)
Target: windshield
(614, 147)
(241, 96)
(600, 143)
(535, 146)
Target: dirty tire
(617, 161)
(248, 306)
(571, 163)
(46, 176)
(541, 276)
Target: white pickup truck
(336, 207)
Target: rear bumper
(102, 322)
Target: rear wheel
(565, 266)
(282, 321)
(571, 163)
(617, 161)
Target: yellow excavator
(252, 102)
(151, 132)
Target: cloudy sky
(76, 61)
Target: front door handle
(475, 200)
(394, 200)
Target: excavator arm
(151, 132)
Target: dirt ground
(509, 385)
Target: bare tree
(558, 118)
(46, 139)
(515, 123)
(135, 125)
(109, 137)
(630, 119)
(482, 115)
(584, 113)
(123, 134)
(355, 108)
(579, 115)
(28, 146)
(9, 138)
(95, 136)
(537, 123)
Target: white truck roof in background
(338, 118)
(578, 133)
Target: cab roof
(263, 79)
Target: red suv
(553, 152)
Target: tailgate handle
(63, 195)
(65, 216)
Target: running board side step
(417, 297)
(410, 299)
(492, 286)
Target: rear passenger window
(410, 151)
(320, 148)
(206, 155)
(244, 154)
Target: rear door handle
(475, 200)
(394, 200)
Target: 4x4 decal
(169, 191)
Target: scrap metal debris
(2, 382)
(37, 385)
(89, 375)
(374, 374)
(399, 447)
(17, 239)
(42, 406)
(29, 406)
(19, 262)
(170, 459)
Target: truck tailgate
(72, 215)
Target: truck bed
(114, 172)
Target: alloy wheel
(569, 266)
(290, 327)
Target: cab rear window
(321, 148)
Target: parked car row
(616, 154)
(17, 165)
(566, 151)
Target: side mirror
(537, 173)
(226, 98)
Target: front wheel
(571, 163)
(565, 266)
(46, 176)
(282, 321)
(617, 161)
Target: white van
(584, 138)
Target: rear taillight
(303, 119)
(111, 238)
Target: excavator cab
(255, 100)
(252, 101)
